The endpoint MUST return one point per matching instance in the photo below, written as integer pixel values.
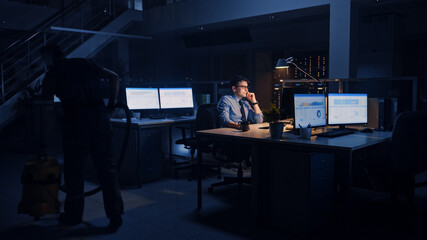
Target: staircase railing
(20, 63)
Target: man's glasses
(244, 87)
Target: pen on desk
(309, 125)
(300, 125)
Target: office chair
(204, 120)
(408, 153)
(229, 156)
(406, 157)
(207, 118)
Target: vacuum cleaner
(41, 177)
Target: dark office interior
(374, 47)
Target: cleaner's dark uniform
(86, 130)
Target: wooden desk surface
(348, 142)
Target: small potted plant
(272, 116)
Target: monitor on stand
(288, 92)
(310, 110)
(347, 109)
(176, 101)
(144, 100)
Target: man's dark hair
(236, 79)
(54, 49)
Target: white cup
(305, 133)
(136, 115)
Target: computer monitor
(176, 98)
(310, 110)
(290, 89)
(347, 108)
(142, 98)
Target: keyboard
(313, 132)
(177, 117)
(336, 133)
(156, 117)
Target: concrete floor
(166, 209)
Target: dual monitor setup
(341, 109)
(311, 110)
(158, 102)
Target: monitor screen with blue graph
(347, 108)
(310, 110)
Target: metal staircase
(21, 64)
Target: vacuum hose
(123, 151)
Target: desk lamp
(284, 63)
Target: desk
(305, 157)
(143, 157)
(148, 122)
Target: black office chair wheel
(210, 189)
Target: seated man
(230, 107)
(233, 110)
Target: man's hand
(235, 125)
(251, 97)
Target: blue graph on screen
(310, 110)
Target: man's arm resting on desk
(234, 125)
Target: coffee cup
(245, 126)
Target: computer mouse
(367, 130)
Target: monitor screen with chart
(347, 108)
(310, 110)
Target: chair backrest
(408, 151)
(207, 117)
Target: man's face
(241, 89)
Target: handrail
(21, 62)
(45, 24)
